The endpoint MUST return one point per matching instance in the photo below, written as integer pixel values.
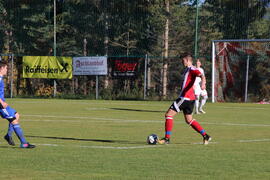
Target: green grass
(105, 140)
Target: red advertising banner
(124, 66)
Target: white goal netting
(240, 70)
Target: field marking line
(94, 109)
(99, 147)
(139, 104)
(94, 120)
(104, 147)
(143, 146)
(237, 124)
(84, 117)
(253, 140)
(125, 120)
(99, 103)
(242, 108)
(153, 146)
(143, 121)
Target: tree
(233, 17)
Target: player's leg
(19, 132)
(169, 122)
(197, 92)
(203, 101)
(10, 129)
(187, 110)
(204, 98)
(194, 124)
(5, 113)
(168, 126)
(197, 103)
(172, 111)
(13, 117)
(8, 136)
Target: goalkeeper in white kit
(199, 93)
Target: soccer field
(106, 140)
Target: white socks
(204, 98)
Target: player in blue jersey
(10, 114)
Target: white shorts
(199, 92)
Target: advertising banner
(96, 65)
(124, 66)
(51, 67)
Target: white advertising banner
(95, 65)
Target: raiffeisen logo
(46, 70)
(65, 65)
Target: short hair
(186, 54)
(3, 64)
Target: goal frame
(214, 57)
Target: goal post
(240, 70)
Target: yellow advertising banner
(52, 67)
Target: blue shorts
(8, 113)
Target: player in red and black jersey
(185, 101)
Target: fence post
(246, 87)
(145, 76)
(54, 42)
(196, 29)
(96, 87)
(213, 71)
(11, 80)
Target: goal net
(241, 70)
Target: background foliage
(126, 28)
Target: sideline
(90, 120)
(145, 146)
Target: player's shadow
(138, 110)
(91, 140)
(8, 147)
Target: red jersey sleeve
(195, 72)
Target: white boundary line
(144, 146)
(96, 109)
(93, 120)
(105, 147)
(241, 108)
(89, 103)
(125, 120)
(153, 146)
(99, 147)
(237, 124)
(254, 140)
(94, 103)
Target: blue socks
(10, 130)
(19, 132)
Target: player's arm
(3, 104)
(202, 76)
(203, 83)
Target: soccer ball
(152, 139)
